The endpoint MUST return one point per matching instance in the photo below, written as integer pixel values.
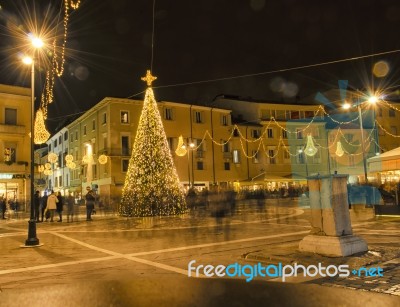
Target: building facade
(15, 148)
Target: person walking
(90, 199)
(60, 205)
(70, 207)
(43, 205)
(36, 202)
(51, 205)
(3, 207)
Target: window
(94, 125)
(284, 134)
(236, 132)
(392, 113)
(104, 119)
(105, 140)
(125, 164)
(299, 133)
(170, 143)
(66, 136)
(168, 114)
(60, 181)
(227, 166)
(84, 130)
(271, 156)
(124, 117)
(76, 135)
(55, 143)
(9, 154)
(280, 114)
(198, 117)
(94, 170)
(49, 147)
(236, 156)
(286, 155)
(380, 112)
(256, 156)
(10, 116)
(393, 130)
(200, 165)
(270, 133)
(201, 144)
(125, 145)
(300, 156)
(72, 138)
(309, 114)
(294, 115)
(225, 146)
(255, 133)
(224, 120)
(59, 140)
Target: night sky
(109, 48)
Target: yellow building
(15, 146)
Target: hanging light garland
(181, 148)
(41, 135)
(71, 165)
(41, 168)
(52, 157)
(310, 149)
(69, 158)
(102, 159)
(339, 149)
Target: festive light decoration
(181, 148)
(310, 149)
(41, 135)
(41, 168)
(71, 165)
(47, 166)
(102, 159)
(52, 157)
(69, 158)
(151, 184)
(339, 149)
(48, 172)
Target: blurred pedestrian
(60, 205)
(36, 202)
(70, 207)
(90, 199)
(3, 207)
(51, 207)
(43, 205)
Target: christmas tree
(151, 184)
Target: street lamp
(191, 146)
(32, 238)
(346, 106)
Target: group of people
(48, 206)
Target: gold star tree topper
(149, 78)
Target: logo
(279, 270)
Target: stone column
(331, 232)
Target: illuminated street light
(371, 100)
(32, 238)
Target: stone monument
(331, 233)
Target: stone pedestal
(331, 232)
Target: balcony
(12, 129)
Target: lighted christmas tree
(151, 184)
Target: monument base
(333, 246)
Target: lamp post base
(32, 239)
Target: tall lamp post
(371, 100)
(32, 238)
(191, 146)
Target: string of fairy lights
(41, 135)
(311, 147)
